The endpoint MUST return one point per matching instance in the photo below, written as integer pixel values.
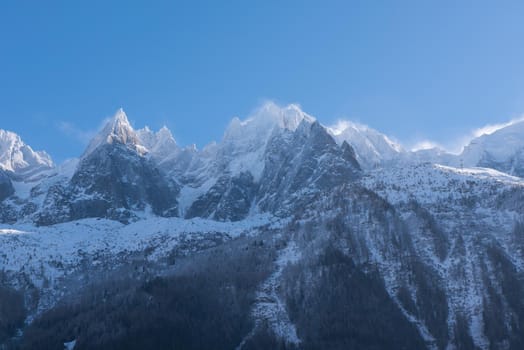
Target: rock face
(229, 199)
(111, 182)
(301, 164)
(126, 180)
(292, 167)
(114, 179)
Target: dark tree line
(345, 307)
(12, 312)
(205, 304)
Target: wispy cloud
(457, 144)
(491, 128)
(72, 131)
(81, 135)
(425, 144)
(342, 125)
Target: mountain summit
(117, 130)
(502, 149)
(371, 146)
(17, 157)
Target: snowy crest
(266, 118)
(371, 146)
(117, 130)
(144, 141)
(245, 140)
(17, 157)
(498, 144)
(161, 144)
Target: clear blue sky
(412, 69)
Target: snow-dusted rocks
(502, 150)
(113, 178)
(301, 164)
(19, 158)
(461, 226)
(371, 147)
(273, 161)
(229, 199)
(243, 146)
(117, 130)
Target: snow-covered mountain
(436, 155)
(118, 131)
(372, 147)
(113, 178)
(19, 158)
(264, 162)
(502, 149)
(311, 237)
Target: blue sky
(414, 70)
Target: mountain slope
(502, 150)
(307, 237)
(462, 228)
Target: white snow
(371, 146)
(483, 174)
(117, 130)
(18, 157)
(160, 145)
(428, 183)
(500, 144)
(189, 194)
(442, 190)
(244, 143)
(70, 345)
(269, 307)
(23, 188)
(46, 255)
(24, 245)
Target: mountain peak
(164, 143)
(371, 146)
(119, 127)
(16, 156)
(117, 130)
(164, 134)
(120, 115)
(261, 123)
(287, 117)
